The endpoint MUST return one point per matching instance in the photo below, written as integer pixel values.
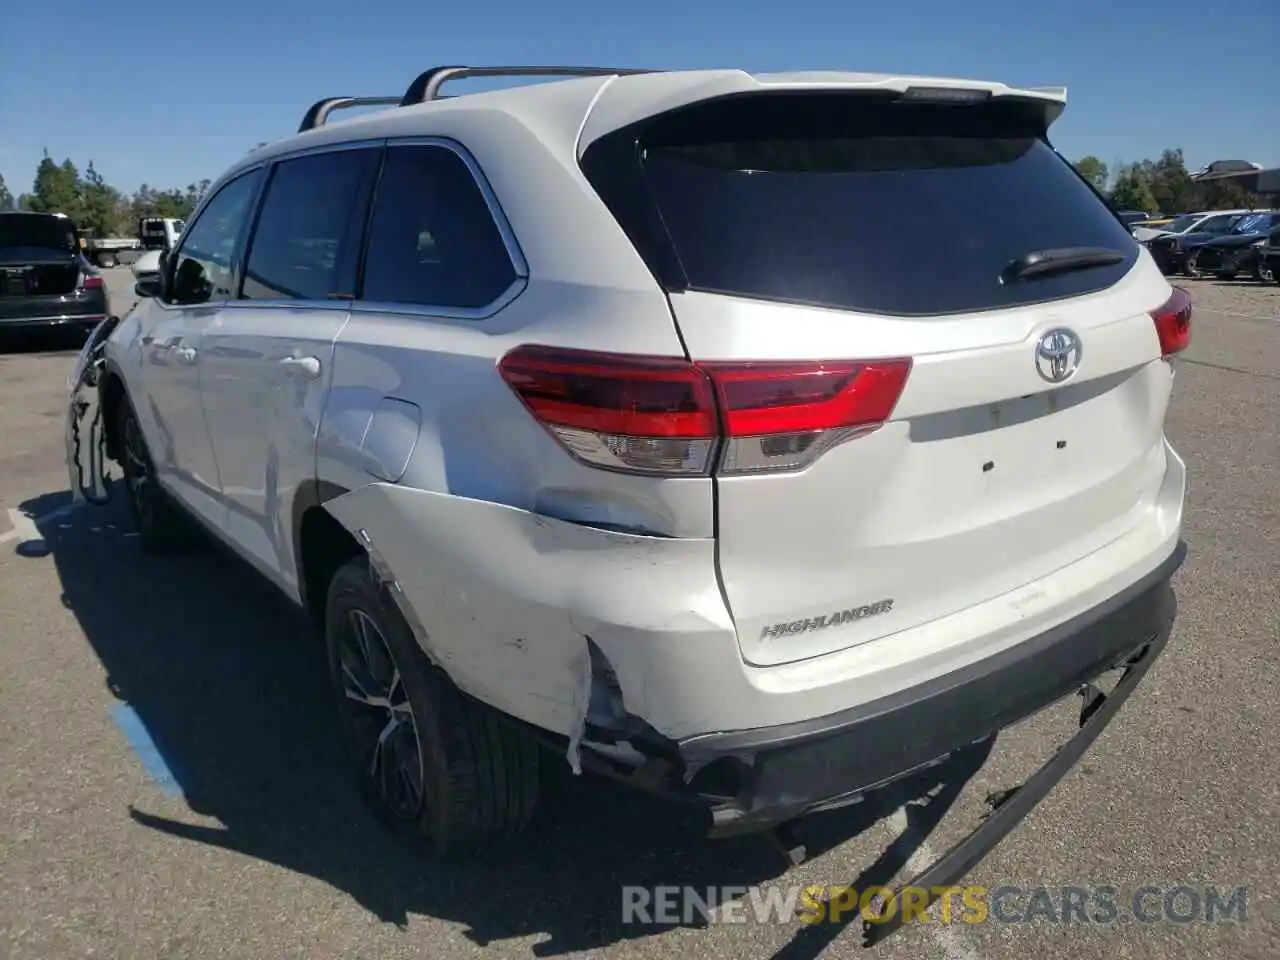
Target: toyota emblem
(1058, 355)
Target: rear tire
(1263, 272)
(437, 767)
(107, 260)
(159, 522)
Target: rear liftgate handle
(308, 367)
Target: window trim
(237, 299)
(171, 261)
(515, 254)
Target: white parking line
(25, 527)
(949, 941)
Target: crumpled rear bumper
(785, 772)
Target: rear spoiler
(625, 102)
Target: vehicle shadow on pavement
(230, 683)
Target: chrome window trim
(515, 254)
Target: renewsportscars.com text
(780, 904)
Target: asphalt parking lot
(169, 785)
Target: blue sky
(168, 94)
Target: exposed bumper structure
(785, 772)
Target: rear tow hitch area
(1011, 806)
(86, 435)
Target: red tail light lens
(1173, 323)
(90, 282)
(672, 417)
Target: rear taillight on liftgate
(1173, 322)
(671, 417)
(89, 281)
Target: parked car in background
(1170, 250)
(1209, 221)
(1269, 259)
(45, 279)
(1236, 252)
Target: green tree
(6, 198)
(1132, 190)
(1095, 171)
(56, 188)
(1171, 184)
(98, 204)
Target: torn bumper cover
(785, 772)
(616, 649)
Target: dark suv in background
(45, 280)
(1236, 252)
(1170, 251)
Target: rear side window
(862, 203)
(306, 244)
(433, 241)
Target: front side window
(306, 243)
(204, 266)
(433, 241)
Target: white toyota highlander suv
(754, 439)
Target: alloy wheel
(138, 473)
(380, 717)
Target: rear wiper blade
(1042, 263)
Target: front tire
(1263, 272)
(1192, 266)
(161, 527)
(435, 766)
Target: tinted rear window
(871, 205)
(35, 230)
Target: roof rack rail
(319, 111)
(426, 86)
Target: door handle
(185, 354)
(308, 367)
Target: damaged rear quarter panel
(505, 598)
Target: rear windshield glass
(34, 230)
(871, 205)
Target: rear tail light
(90, 281)
(1173, 323)
(675, 418)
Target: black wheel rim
(137, 471)
(379, 717)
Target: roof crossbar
(426, 86)
(319, 111)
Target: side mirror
(147, 287)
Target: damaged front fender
(84, 426)
(504, 600)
